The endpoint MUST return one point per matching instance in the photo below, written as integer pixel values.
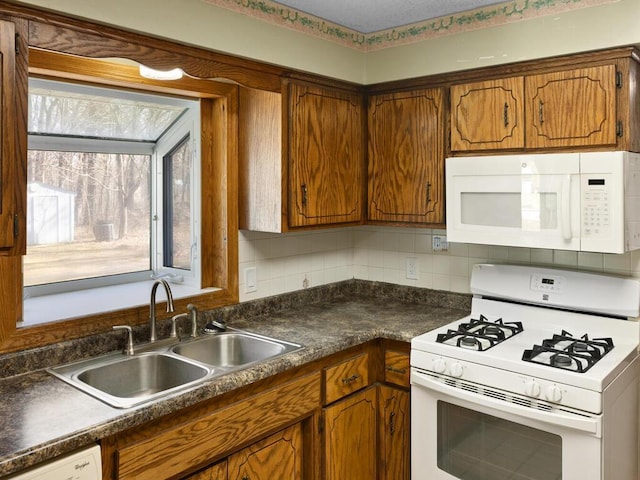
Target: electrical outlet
(440, 244)
(250, 280)
(412, 268)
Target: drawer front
(190, 445)
(346, 377)
(396, 368)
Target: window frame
(219, 249)
(187, 128)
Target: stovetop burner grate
(569, 353)
(480, 334)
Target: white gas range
(539, 382)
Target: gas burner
(480, 334)
(569, 353)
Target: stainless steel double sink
(124, 381)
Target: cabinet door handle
(303, 187)
(396, 370)
(505, 114)
(541, 111)
(428, 193)
(392, 423)
(245, 477)
(351, 379)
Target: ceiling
(367, 16)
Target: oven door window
(477, 446)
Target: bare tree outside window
(90, 187)
(109, 222)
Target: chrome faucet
(152, 306)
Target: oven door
(460, 434)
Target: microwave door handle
(565, 209)
(575, 422)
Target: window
(111, 190)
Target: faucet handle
(193, 313)
(128, 348)
(174, 321)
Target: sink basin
(233, 349)
(124, 382)
(163, 368)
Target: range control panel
(547, 283)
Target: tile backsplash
(294, 261)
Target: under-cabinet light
(150, 73)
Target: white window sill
(49, 308)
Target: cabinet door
(572, 108)
(350, 438)
(406, 157)
(278, 456)
(8, 134)
(326, 156)
(216, 472)
(487, 115)
(394, 424)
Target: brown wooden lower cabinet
(216, 472)
(393, 428)
(278, 456)
(285, 429)
(350, 437)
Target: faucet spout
(152, 306)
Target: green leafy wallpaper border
(490, 16)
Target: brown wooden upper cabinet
(487, 115)
(326, 156)
(304, 168)
(406, 157)
(571, 108)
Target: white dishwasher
(83, 464)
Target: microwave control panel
(596, 208)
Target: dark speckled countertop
(42, 417)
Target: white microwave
(566, 201)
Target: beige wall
(375, 253)
(200, 23)
(608, 25)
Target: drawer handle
(351, 379)
(402, 371)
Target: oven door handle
(589, 425)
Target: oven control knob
(553, 393)
(439, 365)
(456, 369)
(532, 388)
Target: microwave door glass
(531, 211)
